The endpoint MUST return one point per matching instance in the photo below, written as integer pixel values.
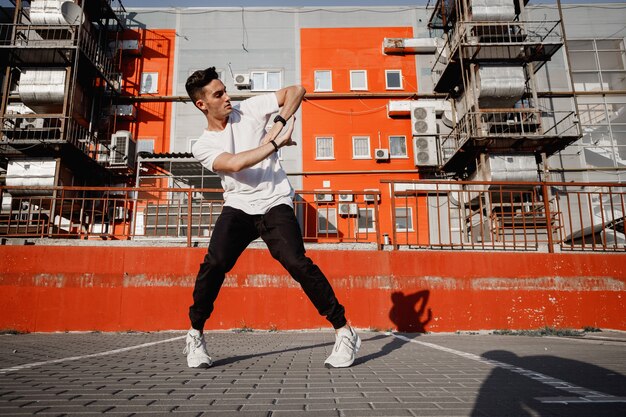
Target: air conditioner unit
(348, 209)
(323, 196)
(381, 154)
(122, 149)
(371, 197)
(346, 196)
(32, 123)
(241, 80)
(131, 46)
(127, 111)
(423, 120)
(425, 151)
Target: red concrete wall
(56, 288)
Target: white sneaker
(195, 349)
(347, 344)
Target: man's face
(214, 100)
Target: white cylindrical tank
(55, 12)
(31, 172)
(501, 86)
(492, 10)
(43, 89)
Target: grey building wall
(268, 39)
(256, 39)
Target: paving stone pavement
(274, 374)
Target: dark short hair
(198, 80)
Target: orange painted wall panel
(157, 56)
(341, 50)
(355, 48)
(54, 288)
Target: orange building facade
(156, 61)
(345, 125)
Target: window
(361, 147)
(365, 220)
(397, 146)
(393, 79)
(327, 220)
(404, 219)
(149, 83)
(265, 80)
(323, 80)
(145, 145)
(191, 141)
(604, 131)
(598, 65)
(324, 148)
(358, 80)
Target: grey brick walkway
(282, 374)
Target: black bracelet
(281, 119)
(275, 145)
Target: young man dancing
(257, 203)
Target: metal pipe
(569, 67)
(352, 172)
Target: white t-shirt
(260, 187)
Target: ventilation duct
(501, 86)
(55, 12)
(493, 10)
(43, 90)
(506, 167)
(409, 45)
(31, 173)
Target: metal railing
(508, 215)
(60, 37)
(514, 124)
(524, 40)
(339, 216)
(28, 129)
(187, 214)
(523, 216)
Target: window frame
(322, 90)
(409, 212)
(387, 72)
(155, 82)
(352, 87)
(328, 214)
(366, 229)
(406, 150)
(369, 147)
(596, 77)
(332, 148)
(145, 140)
(265, 74)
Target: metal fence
(508, 215)
(524, 216)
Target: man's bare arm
(289, 99)
(228, 162)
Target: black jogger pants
(279, 229)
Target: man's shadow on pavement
(407, 314)
(506, 392)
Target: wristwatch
(280, 118)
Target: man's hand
(285, 139)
